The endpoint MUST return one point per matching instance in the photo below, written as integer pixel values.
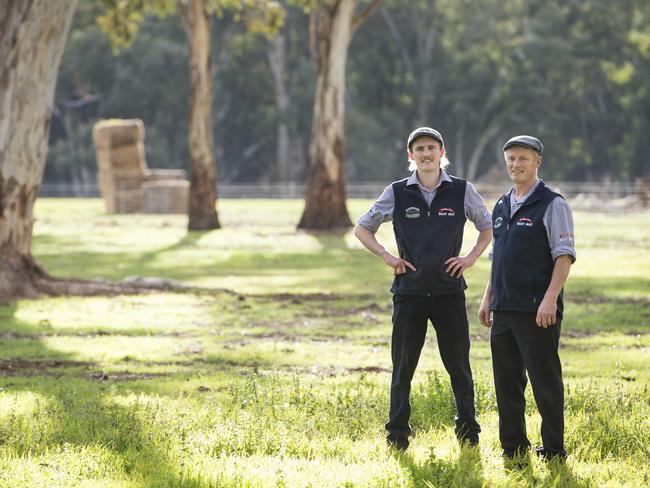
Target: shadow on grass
(335, 264)
(80, 412)
(555, 473)
(464, 471)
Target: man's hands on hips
(399, 265)
(547, 312)
(457, 265)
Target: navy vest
(522, 264)
(427, 236)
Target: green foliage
(572, 73)
(122, 18)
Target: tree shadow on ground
(554, 473)
(331, 267)
(464, 471)
(75, 410)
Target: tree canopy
(572, 73)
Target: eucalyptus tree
(120, 23)
(32, 40)
(332, 24)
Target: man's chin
(428, 167)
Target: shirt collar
(514, 200)
(413, 180)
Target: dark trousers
(519, 345)
(448, 315)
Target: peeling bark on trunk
(203, 190)
(331, 32)
(331, 29)
(32, 39)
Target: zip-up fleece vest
(522, 264)
(427, 236)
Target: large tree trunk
(333, 24)
(203, 189)
(32, 39)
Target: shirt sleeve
(475, 209)
(380, 212)
(558, 220)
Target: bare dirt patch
(126, 376)
(299, 298)
(320, 370)
(33, 367)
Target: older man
(532, 252)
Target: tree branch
(313, 34)
(359, 19)
(392, 28)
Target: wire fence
(354, 189)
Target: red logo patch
(525, 221)
(446, 212)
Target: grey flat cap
(529, 142)
(424, 131)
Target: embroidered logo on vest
(498, 222)
(525, 221)
(412, 213)
(446, 212)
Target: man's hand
(457, 265)
(399, 265)
(546, 312)
(484, 314)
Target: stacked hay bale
(121, 165)
(125, 182)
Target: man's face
(426, 152)
(522, 164)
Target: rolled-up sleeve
(475, 209)
(558, 220)
(380, 212)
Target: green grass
(285, 383)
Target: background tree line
(572, 72)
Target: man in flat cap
(532, 252)
(428, 210)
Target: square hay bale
(165, 196)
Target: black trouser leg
(540, 352)
(449, 317)
(510, 384)
(410, 320)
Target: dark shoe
(513, 453)
(547, 455)
(396, 442)
(516, 459)
(468, 442)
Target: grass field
(285, 381)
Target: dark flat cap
(424, 131)
(529, 142)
